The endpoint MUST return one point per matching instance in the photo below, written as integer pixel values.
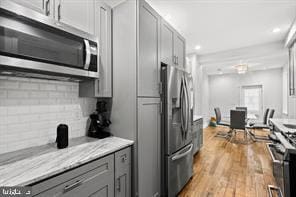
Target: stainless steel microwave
(32, 42)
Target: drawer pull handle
(123, 158)
(269, 145)
(72, 186)
(274, 188)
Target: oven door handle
(271, 155)
(274, 188)
(87, 55)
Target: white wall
(200, 81)
(224, 90)
(31, 110)
(291, 100)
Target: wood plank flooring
(224, 169)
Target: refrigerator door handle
(182, 108)
(187, 106)
(179, 156)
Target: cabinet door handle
(177, 60)
(47, 8)
(59, 12)
(72, 186)
(160, 88)
(160, 107)
(118, 187)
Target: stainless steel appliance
(177, 156)
(31, 42)
(283, 153)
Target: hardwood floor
(230, 169)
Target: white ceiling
(223, 27)
(257, 57)
(220, 25)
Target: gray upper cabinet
(167, 43)
(42, 6)
(179, 50)
(102, 87)
(103, 24)
(172, 46)
(149, 61)
(149, 146)
(79, 14)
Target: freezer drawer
(179, 170)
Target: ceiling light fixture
(197, 47)
(241, 68)
(276, 30)
(220, 72)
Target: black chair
(243, 109)
(219, 121)
(264, 124)
(219, 118)
(237, 119)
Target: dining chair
(219, 121)
(219, 118)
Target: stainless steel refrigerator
(177, 147)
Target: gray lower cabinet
(197, 135)
(122, 173)
(149, 147)
(95, 179)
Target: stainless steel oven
(284, 171)
(32, 41)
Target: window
(252, 98)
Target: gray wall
(224, 90)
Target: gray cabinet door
(103, 31)
(149, 146)
(42, 6)
(292, 70)
(167, 43)
(123, 173)
(97, 180)
(179, 46)
(79, 14)
(149, 45)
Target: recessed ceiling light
(276, 30)
(220, 72)
(197, 47)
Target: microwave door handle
(87, 55)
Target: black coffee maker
(99, 121)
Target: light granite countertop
(195, 117)
(279, 123)
(31, 165)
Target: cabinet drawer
(123, 159)
(77, 179)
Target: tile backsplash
(31, 110)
